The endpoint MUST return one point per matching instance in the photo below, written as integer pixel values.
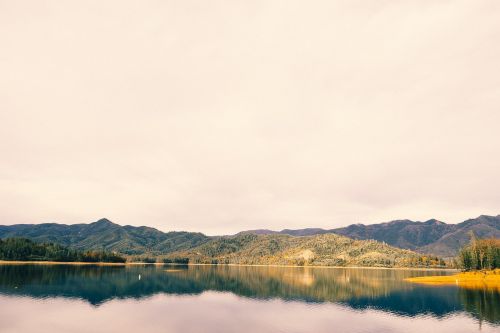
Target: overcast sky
(219, 116)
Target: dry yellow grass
(472, 280)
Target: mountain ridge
(428, 237)
(317, 250)
(431, 236)
(106, 235)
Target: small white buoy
(139, 276)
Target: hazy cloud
(227, 115)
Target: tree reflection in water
(382, 289)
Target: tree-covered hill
(106, 235)
(22, 249)
(318, 250)
(431, 236)
(450, 243)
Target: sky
(221, 116)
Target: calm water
(235, 299)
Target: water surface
(43, 298)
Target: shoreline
(76, 263)
(473, 280)
(80, 263)
(322, 266)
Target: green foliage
(107, 236)
(149, 260)
(425, 237)
(480, 254)
(431, 236)
(320, 250)
(176, 260)
(23, 249)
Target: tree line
(168, 260)
(23, 249)
(480, 254)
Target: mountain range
(316, 250)
(429, 237)
(106, 235)
(432, 236)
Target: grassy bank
(489, 279)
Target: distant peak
(434, 221)
(257, 232)
(488, 216)
(405, 221)
(103, 221)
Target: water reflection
(358, 289)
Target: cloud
(233, 115)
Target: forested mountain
(144, 242)
(432, 236)
(22, 249)
(106, 235)
(451, 242)
(320, 250)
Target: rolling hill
(431, 236)
(328, 249)
(106, 235)
(318, 250)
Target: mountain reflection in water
(380, 289)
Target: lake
(149, 298)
